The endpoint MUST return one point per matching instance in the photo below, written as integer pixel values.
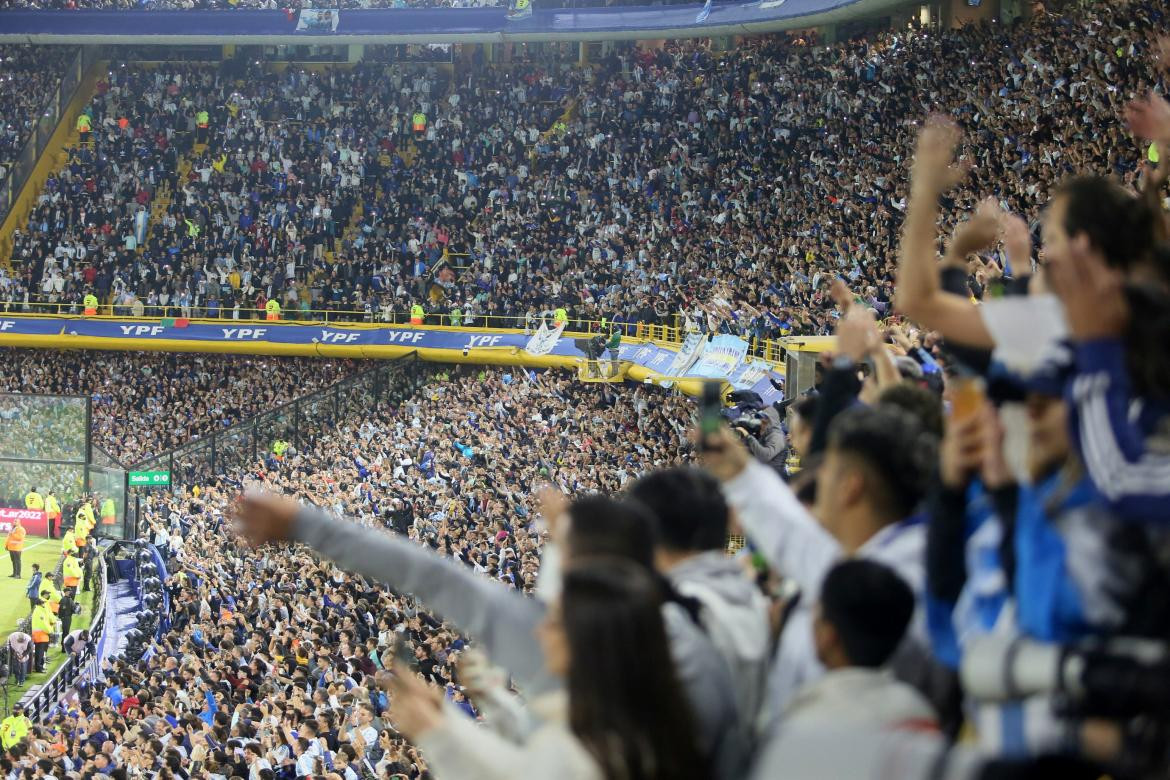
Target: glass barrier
(44, 427)
(66, 481)
(110, 483)
(297, 424)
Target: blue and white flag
(704, 13)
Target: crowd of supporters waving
(674, 185)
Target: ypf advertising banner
(35, 521)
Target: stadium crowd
(303, 699)
(715, 191)
(29, 76)
(147, 403)
(978, 513)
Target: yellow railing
(766, 349)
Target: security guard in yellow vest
(272, 310)
(44, 623)
(68, 542)
(14, 728)
(419, 122)
(279, 447)
(83, 524)
(109, 513)
(34, 500)
(560, 316)
(89, 304)
(50, 595)
(417, 314)
(53, 513)
(84, 511)
(71, 573)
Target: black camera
(1124, 680)
(748, 424)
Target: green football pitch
(14, 603)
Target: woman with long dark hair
(601, 536)
(621, 716)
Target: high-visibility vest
(43, 623)
(419, 122)
(273, 309)
(71, 571)
(85, 511)
(13, 729)
(52, 508)
(50, 595)
(34, 500)
(416, 314)
(279, 447)
(201, 118)
(108, 511)
(68, 542)
(83, 123)
(15, 540)
(560, 315)
(90, 304)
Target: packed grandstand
(928, 551)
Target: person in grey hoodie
(502, 620)
(768, 445)
(691, 519)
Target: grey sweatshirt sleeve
(501, 619)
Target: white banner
(543, 341)
(314, 20)
(690, 349)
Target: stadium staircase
(163, 197)
(54, 158)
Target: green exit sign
(150, 478)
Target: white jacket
(460, 749)
(799, 548)
(856, 723)
(854, 697)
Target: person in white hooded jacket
(692, 525)
(875, 473)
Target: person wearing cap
(768, 444)
(14, 728)
(20, 648)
